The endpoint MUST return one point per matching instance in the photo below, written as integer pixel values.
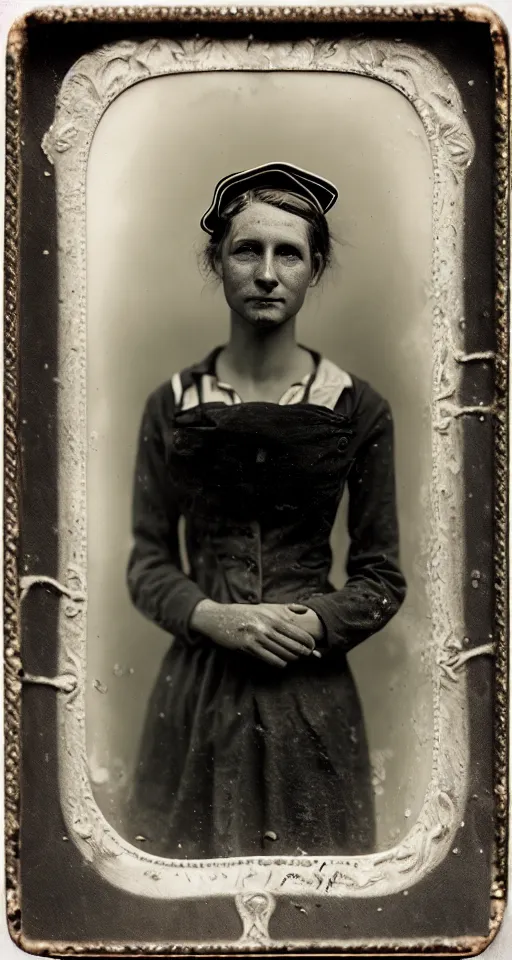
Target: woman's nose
(265, 274)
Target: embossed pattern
(12, 684)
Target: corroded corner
(477, 13)
(16, 37)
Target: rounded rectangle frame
(87, 91)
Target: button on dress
(239, 758)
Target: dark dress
(238, 757)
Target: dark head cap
(273, 176)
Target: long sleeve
(375, 587)
(158, 586)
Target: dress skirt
(239, 758)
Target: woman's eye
(246, 250)
(290, 253)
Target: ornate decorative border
(501, 465)
(12, 660)
(438, 105)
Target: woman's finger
(273, 659)
(294, 632)
(287, 643)
(272, 641)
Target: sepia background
(156, 156)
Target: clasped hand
(277, 633)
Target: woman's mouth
(266, 301)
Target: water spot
(270, 835)
(46, 253)
(99, 775)
(471, 83)
(140, 838)
(407, 813)
(99, 686)
(299, 908)
(456, 850)
(406, 893)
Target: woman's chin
(265, 321)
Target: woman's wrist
(203, 615)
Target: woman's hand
(275, 632)
(307, 619)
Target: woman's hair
(320, 240)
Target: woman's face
(265, 265)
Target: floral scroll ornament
(87, 91)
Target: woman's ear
(316, 269)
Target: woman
(254, 740)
